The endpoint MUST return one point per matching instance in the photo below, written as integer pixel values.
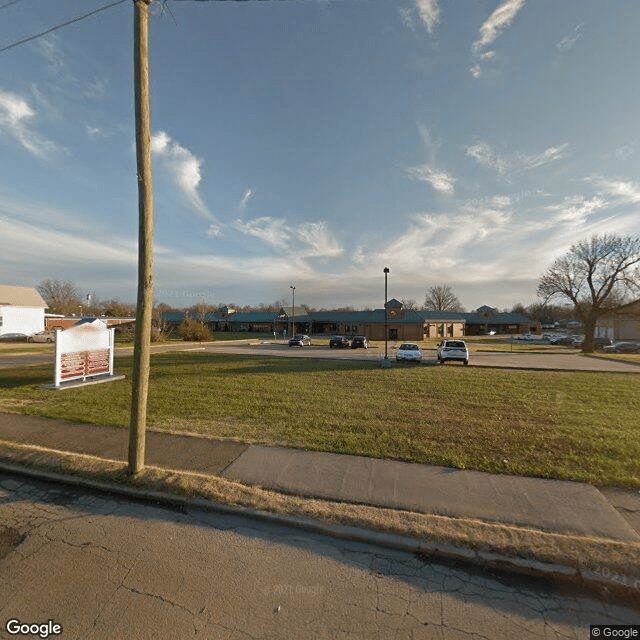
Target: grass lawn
(570, 425)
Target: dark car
(623, 347)
(13, 337)
(600, 344)
(359, 342)
(339, 342)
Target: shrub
(194, 331)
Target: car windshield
(409, 347)
(456, 344)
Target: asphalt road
(106, 567)
(562, 361)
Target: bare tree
(60, 296)
(117, 308)
(442, 298)
(409, 303)
(596, 276)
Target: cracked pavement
(107, 567)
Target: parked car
(13, 337)
(453, 350)
(300, 341)
(601, 343)
(623, 347)
(339, 342)
(409, 351)
(42, 336)
(359, 342)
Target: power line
(59, 26)
(8, 4)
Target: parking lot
(31, 354)
(554, 361)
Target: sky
(312, 143)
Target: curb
(588, 581)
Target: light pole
(293, 311)
(386, 363)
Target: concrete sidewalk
(549, 505)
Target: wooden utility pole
(144, 309)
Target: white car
(453, 350)
(42, 336)
(409, 351)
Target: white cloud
(626, 192)
(185, 169)
(16, 116)
(272, 231)
(576, 210)
(439, 180)
(306, 240)
(491, 29)
(49, 48)
(445, 242)
(569, 41)
(246, 196)
(214, 230)
(485, 155)
(497, 22)
(428, 172)
(428, 13)
(30, 243)
(318, 240)
(548, 155)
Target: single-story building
(402, 323)
(21, 310)
(487, 319)
(53, 322)
(621, 324)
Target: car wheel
(466, 362)
(49, 340)
(29, 339)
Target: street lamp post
(293, 312)
(386, 363)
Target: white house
(21, 310)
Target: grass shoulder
(567, 425)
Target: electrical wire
(8, 4)
(59, 26)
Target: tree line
(595, 277)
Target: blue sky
(314, 142)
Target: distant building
(487, 319)
(621, 324)
(21, 310)
(401, 323)
(53, 321)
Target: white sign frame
(83, 352)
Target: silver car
(300, 341)
(42, 336)
(453, 350)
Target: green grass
(570, 425)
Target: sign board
(84, 351)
